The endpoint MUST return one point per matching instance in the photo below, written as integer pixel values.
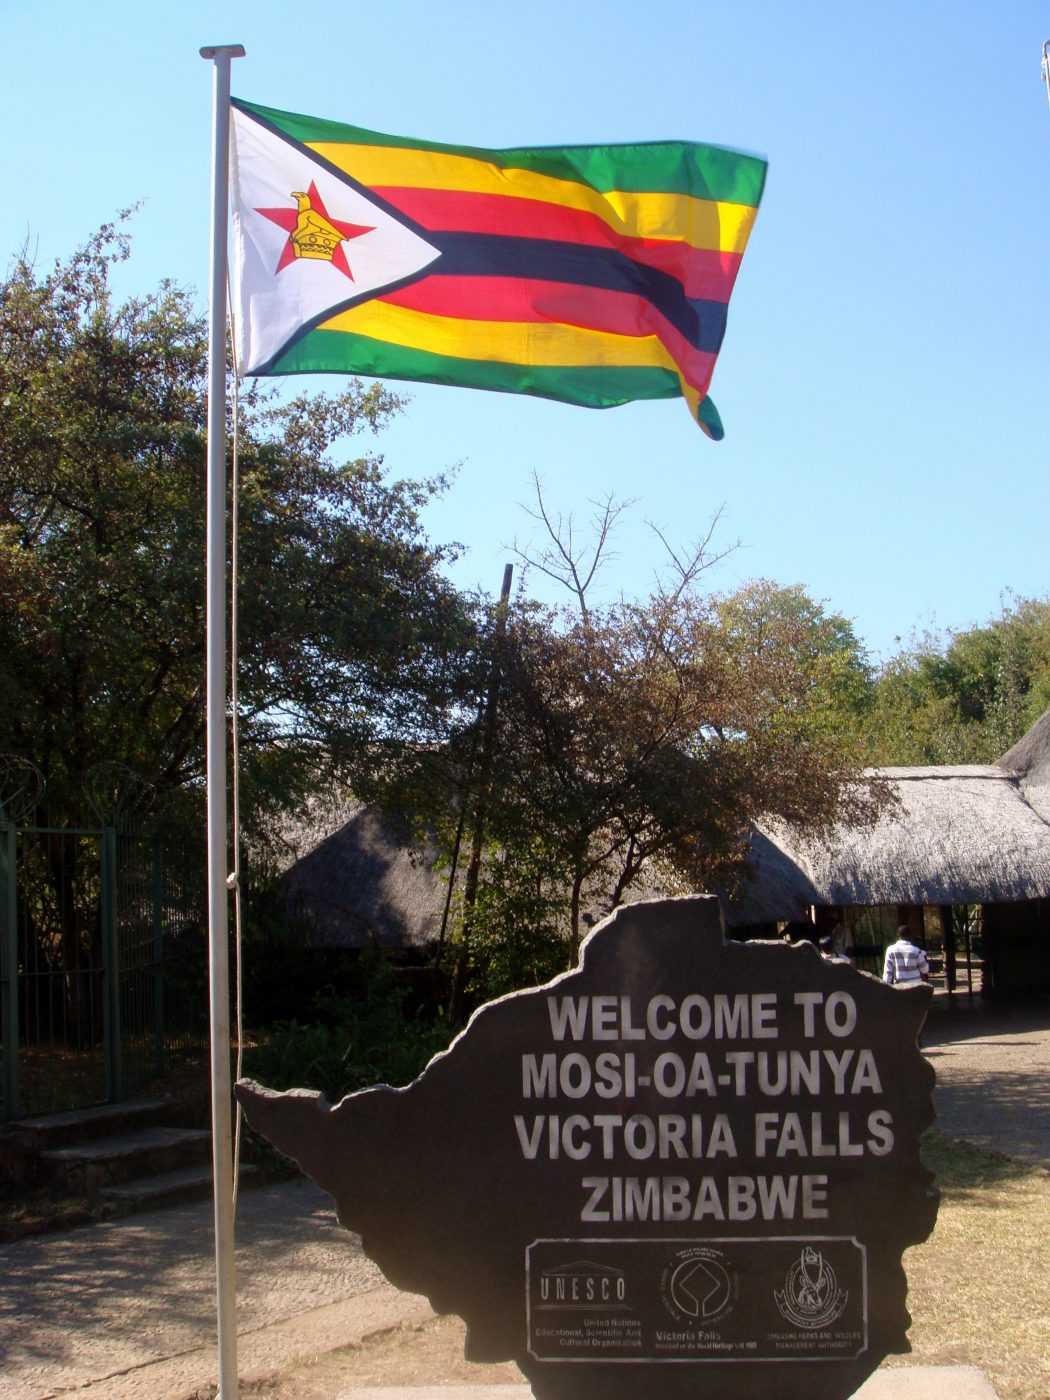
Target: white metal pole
(218, 960)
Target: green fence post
(110, 965)
(158, 958)
(9, 965)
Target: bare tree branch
(564, 560)
(687, 568)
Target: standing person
(841, 938)
(830, 953)
(906, 963)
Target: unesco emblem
(811, 1297)
(583, 1285)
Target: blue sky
(883, 380)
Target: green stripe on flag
(710, 419)
(672, 167)
(591, 386)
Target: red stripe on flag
(703, 272)
(589, 308)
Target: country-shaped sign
(294, 217)
(687, 1168)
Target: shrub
(350, 1041)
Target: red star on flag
(312, 213)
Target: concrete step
(171, 1188)
(86, 1167)
(54, 1130)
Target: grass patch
(979, 1286)
(960, 1166)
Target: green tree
(637, 742)
(352, 647)
(835, 675)
(963, 697)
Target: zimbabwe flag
(591, 274)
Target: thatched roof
(957, 835)
(775, 886)
(366, 885)
(965, 834)
(1030, 760)
(369, 884)
(973, 834)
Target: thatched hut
(369, 884)
(775, 889)
(962, 854)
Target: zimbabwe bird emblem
(312, 232)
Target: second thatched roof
(1030, 760)
(956, 835)
(967, 834)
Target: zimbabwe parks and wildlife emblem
(811, 1297)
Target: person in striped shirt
(906, 963)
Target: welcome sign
(687, 1168)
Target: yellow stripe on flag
(510, 342)
(702, 223)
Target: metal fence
(103, 964)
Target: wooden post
(110, 964)
(948, 924)
(470, 885)
(9, 965)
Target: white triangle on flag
(273, 302)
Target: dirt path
(993, 1074)
(126, 1310)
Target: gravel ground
(993, 1073)
(126, 1310)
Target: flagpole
(216, 691)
